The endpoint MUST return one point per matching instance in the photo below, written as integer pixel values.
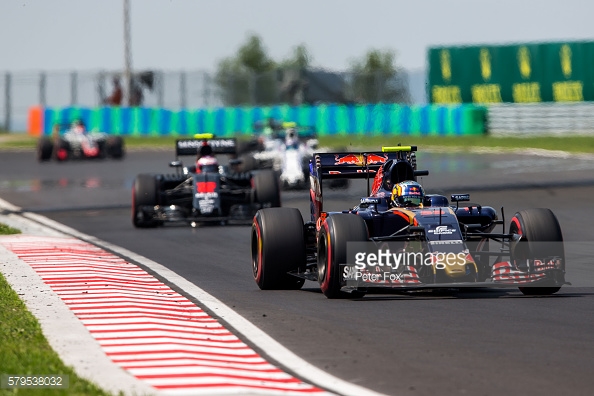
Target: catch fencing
(368, 119)
(197, 94)
(191, 90)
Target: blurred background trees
(375, 78)
(252, 77)
(246, 77)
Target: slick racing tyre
(541, 236)
(336, 231)
(267, 188)
(114, 147)
(248, 163)
(45, 147)
(278, 246)
(144, 193)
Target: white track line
(267, 344)
(33, 249)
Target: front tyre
(114, 146)
(336, 231)
(541, 233)
(277, 247)
(45, 147)
(144, 193)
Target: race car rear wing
(361, 165)
(185, 147)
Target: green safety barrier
(328, 119)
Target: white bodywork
(86, 143)
(289, 161)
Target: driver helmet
(207, 164)
(291, 137)
(78, 126)
(408, 194)
(206, 161)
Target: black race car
(73, 141)
(203, 193)
(379, 245)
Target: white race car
(288, 153)
(73, 141)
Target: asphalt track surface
(476, 342)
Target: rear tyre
(336, 231)
(102, 145)
(542, 236)
(277, 247)
(266, 188)
(115, 147)
(245, 146)
(144, 193)
(45, 147)
(248, 163)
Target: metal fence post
(183, 95)
(101, 87)
(252, 88)
(7, 99)
(206, 89)
(277, 84)
(73, 88)
(160, 90)
(42, 89)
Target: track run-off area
(178, 310)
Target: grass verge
(25, 351)
(572, 144)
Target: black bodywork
(218, 196)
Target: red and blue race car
(397, 238)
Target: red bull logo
(348, 159)
(358, 159)
(376, 159)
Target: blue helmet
(408, 194)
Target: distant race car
(286, 148)
(205, 192)
(73, 141)
(399, 239)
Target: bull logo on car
(376, 159)
(348, 159)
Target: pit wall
(372, 119)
